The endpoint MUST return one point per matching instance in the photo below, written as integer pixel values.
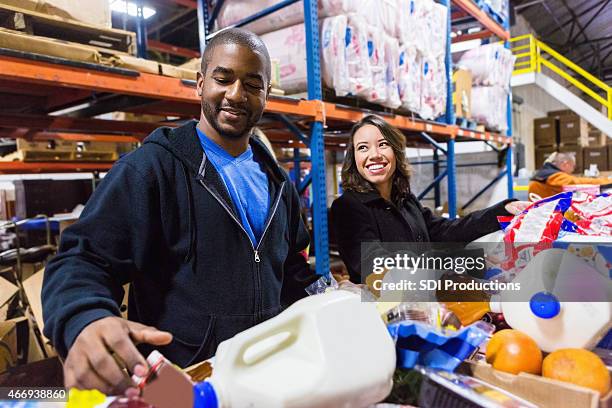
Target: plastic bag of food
(409, 78)
(392, 72)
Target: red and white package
(534, 229)
(592, 207)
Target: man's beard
(211, 113)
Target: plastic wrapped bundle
(389, 16)
(288, 46)
(333, 44)
(409, 78)
(356, 57)
(233, 11)
(436, 28)
(346, 66)
(490, 64)
(378, 69)
(433, 91)
(392, 52)
(413, 18)
(489, 104)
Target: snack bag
(534, 230)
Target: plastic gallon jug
(328, 350)
(552, 277)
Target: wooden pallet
(63, 151)
(31, 22)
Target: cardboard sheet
(41, 45)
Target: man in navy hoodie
(200, 220)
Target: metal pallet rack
(63, 83)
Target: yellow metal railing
(532, 54)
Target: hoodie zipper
(263, 234)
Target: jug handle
(267, 330)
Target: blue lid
(544, 305)
(204, 396)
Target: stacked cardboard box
(573, 130)
(562, 131)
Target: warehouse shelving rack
(64, 83)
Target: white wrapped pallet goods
(356, 56)
(288, 46)
(433, 87)
(489, 104)
(490, 64)
(412, 25)
(392, 52)
(378, 68)
(236, 10)
(344, 51)
(410, 78)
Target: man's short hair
(240, 37)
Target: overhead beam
(580, 26)
(172, 49)
(472, 36)
(594, 40)
(563, 24)
(584, 27)
(190, 4)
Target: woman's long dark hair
(353, 181)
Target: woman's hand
(517, 207)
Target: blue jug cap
(204, 396)
(544, 305)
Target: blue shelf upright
(317, 146)
(509, 131)
(450, 120)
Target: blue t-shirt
(246, 183)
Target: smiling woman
(378, 206)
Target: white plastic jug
(555, 324)
(328, 350)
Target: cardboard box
(544, 392)
(596, 155)
(577, 152)
(542, 153)
(558, 113)
(545, 131)
(15, 40)
(96, 12)
(462, 93)
(8, 338)
(178, 72)
(597, 138)
(573, 130)
(7, 291)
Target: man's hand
(101, 351)
(517, 207)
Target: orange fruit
(577, 366)
(513, 352)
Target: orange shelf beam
(472, 36)
(472, 9)
(145, 85)
(51, 167)
(333, 111)
(172, 89)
